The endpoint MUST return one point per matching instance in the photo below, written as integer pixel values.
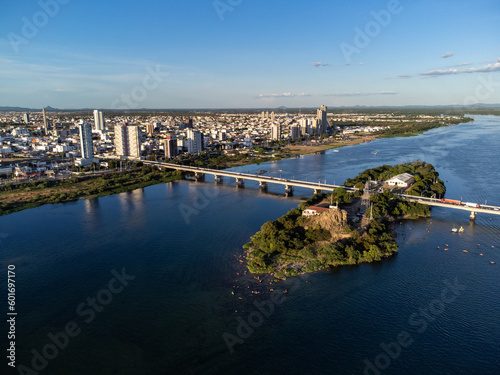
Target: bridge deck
(319, 186)
(252, 177)
(438, 203)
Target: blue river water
(151, 281)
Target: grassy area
(310, 149)
(19, 197)
(412, 128)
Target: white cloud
(283, 95)
(344, 94)
(443, 72)
(447, 54)
(319, 63)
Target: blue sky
(248, 53)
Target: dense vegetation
(37, 193)
(289, 246)
(412, 128)
(284, 247)
(388, 204)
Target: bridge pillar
(198, 176)
(240, 182)
(318, 191)
(263, 185)
(289, 189)
(218, 179)
(473, 215)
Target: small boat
(261, 172)
(465, 251)
(461, 230)
(335, 150)
(454, 230)
(374, 153)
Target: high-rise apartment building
(99, 123)
(171, 146)
(128, 140)
(322, 120)
(26, 118)
(294, 131)
(276, 132)
(194, 141)
(86, 145)
(304, 126)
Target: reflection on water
(132, 200)
(190, 287)
(91, 206)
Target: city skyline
(241, 54)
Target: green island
(334, 235)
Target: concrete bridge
(200, 173)
(240, 178)
(494, 210)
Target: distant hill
(478, 106)
(15, 109)
(22, 109)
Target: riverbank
(14, 198)
(404, 129)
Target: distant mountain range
(22, 109)
(281, 108)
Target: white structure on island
(314, 211)
(401, 180)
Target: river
(150, 281)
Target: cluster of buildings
(95, 135)
(86, 137)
